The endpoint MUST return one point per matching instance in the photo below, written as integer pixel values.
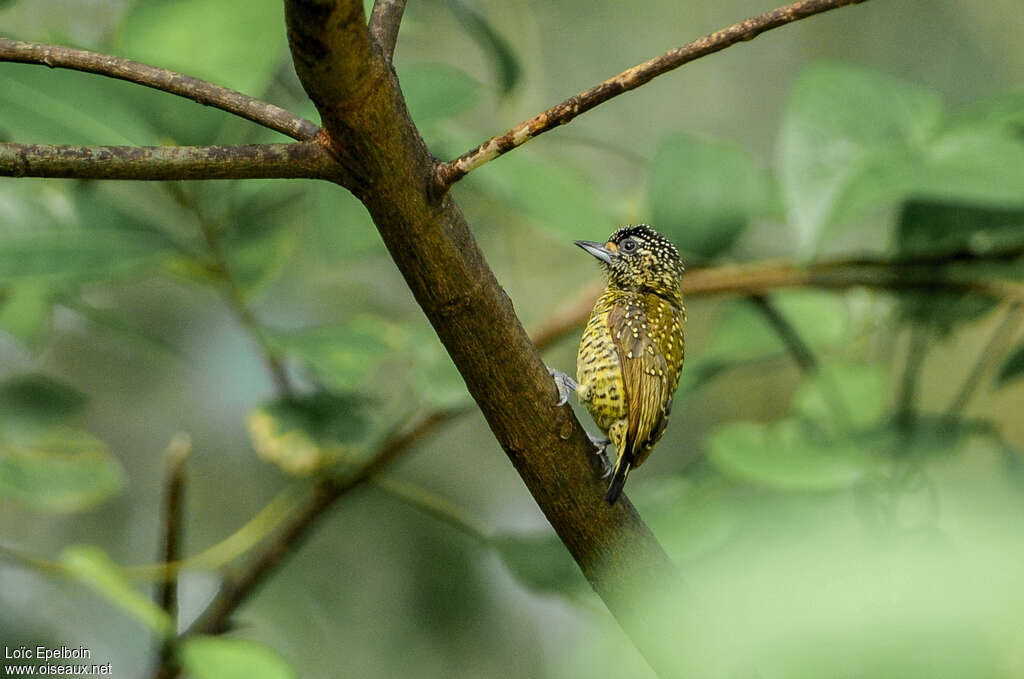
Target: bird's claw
(602, 467)
(565, 385)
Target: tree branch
(307, 160)
(200, 91)
(234, 294)
(993, 351)
(384, 23)
(630, 79)
(238, 587)
(754, 278)
(763, 276)
(167, 591)
(795, 344)
(177, 452)
(392, 172)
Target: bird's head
(638, 258)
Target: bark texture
(390, 169)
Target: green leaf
(852, 140)
(946, 229)
(435, 92)
(342, 356)
(91, 566)
(235, 43)
(340, 223)
(39, 399)
(345, 357)
(76, 255)
(1013, 367)
(787, 456)
(258, 258)
(1004, 111)
(58, 470)
(927, 435)
(703, 193)
(302, 434)
(434, 377)
(149, 341)
(26, 312)
(741, 334)
(208, 657)
(860, 392)
(984, 166)
(690, 520)
(552, 193)
(138, 209)
(842, 124)
(541, 563)
(502, 56)
(61, 106)
(28, 204)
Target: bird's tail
(622, 467)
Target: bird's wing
(648, 379)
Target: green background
(818, 533)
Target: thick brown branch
(267, 161)
(384, 23)
(200, 91)
(450, 172)
(393, 173)
(333, 56)
(240, 586)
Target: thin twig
(385, 20)
(167, 591)
(803, 355)
(170, 551)
(993, 351)
(750, 278)
(917, 350)
(734, 279)
(305, 160)
(235, 296)
(200, 91)
(217, 556)
(731, 279)
(436, 506)
(237, 588)
(24, 559)
(792, 340)
(450, 172)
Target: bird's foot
(599, 461)
(565, 384)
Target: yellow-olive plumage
(631, 352)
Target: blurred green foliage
(205, 657)
(820, 531)
(704, 193)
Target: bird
(632, 349)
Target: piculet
(631, 352)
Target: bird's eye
(628, 245)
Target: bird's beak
(599, 250)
